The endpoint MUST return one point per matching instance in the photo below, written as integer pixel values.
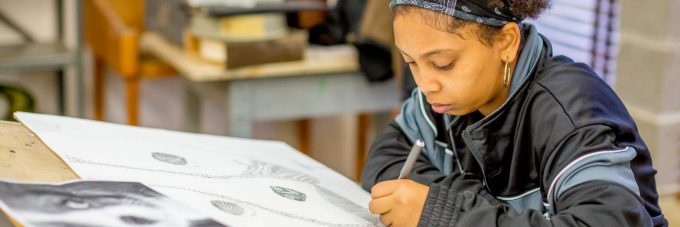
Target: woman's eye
(443, 68)
(412, 63)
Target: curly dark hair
(485, 33)
(524, 8)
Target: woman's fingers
(381, 205)
(384, 188)
(387, 219)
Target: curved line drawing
(169, 158)
(255, 169)
(201, 175)
(289, 193)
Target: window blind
(586, 31)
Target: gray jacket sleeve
(593, 186)
(389, 151)
(388, 154)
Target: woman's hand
(399, 202)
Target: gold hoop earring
(506, 75)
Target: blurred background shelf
(33, 56)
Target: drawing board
(239, 182)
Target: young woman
(514, 135)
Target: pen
(411, 159)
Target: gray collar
(528, 59)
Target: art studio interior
(339, 112)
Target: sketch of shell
(169, 158)
(347, 205)
(289, 193)
(228, 207)
(263, 169)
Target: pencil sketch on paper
(253, 169)
(169, 158)
(259, 169)
(347, 205)
(372, 221)
(188, 160)
(100, 203)
(289, 193)
(232, 208)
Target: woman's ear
(507, 42)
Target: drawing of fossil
(347, 205)
(169, 158)
(289, 193)
(263, 169)
(229, 207)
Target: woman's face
(456, 72)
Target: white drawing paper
(239, 182)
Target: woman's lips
(440, 108)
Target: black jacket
(562, 151)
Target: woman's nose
(429, 84)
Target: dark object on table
(16, 99)
(168, 18)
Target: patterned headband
(478, 11)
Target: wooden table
(24, 158)
(327, 82)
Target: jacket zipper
(473, 151)
(454, 149)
